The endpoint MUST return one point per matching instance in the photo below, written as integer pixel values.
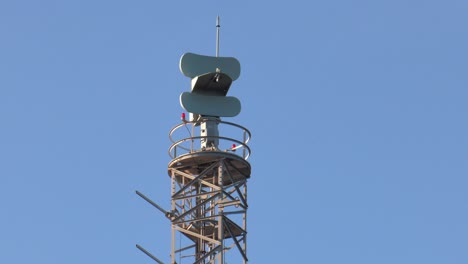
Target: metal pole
(244, 149)
(221, 214)
(217, 36)
(200, 214)
(173, 230)
(149, 254)
(151, 202)
(245, 222)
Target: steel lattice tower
(208, 171)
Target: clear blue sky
(358, 109)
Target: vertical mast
(217, 36)
(208, 172)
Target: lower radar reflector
(228, 106)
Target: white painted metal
(223, 106)
(192, 65)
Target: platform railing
(186, 145)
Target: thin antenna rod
(217, 36)
(152, 203)
(149, 254)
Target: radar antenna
(209, 171)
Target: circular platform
(194, 163)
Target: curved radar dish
(192, 65)
(228, 106)
(211, 79)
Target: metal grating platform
(195, 163)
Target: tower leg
(221, 214)
(173, 231)
(209, 207)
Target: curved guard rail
(192, 144)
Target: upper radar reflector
(192, 65)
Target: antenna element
(217, 36)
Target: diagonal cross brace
(199, 177)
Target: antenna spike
(217, 36)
